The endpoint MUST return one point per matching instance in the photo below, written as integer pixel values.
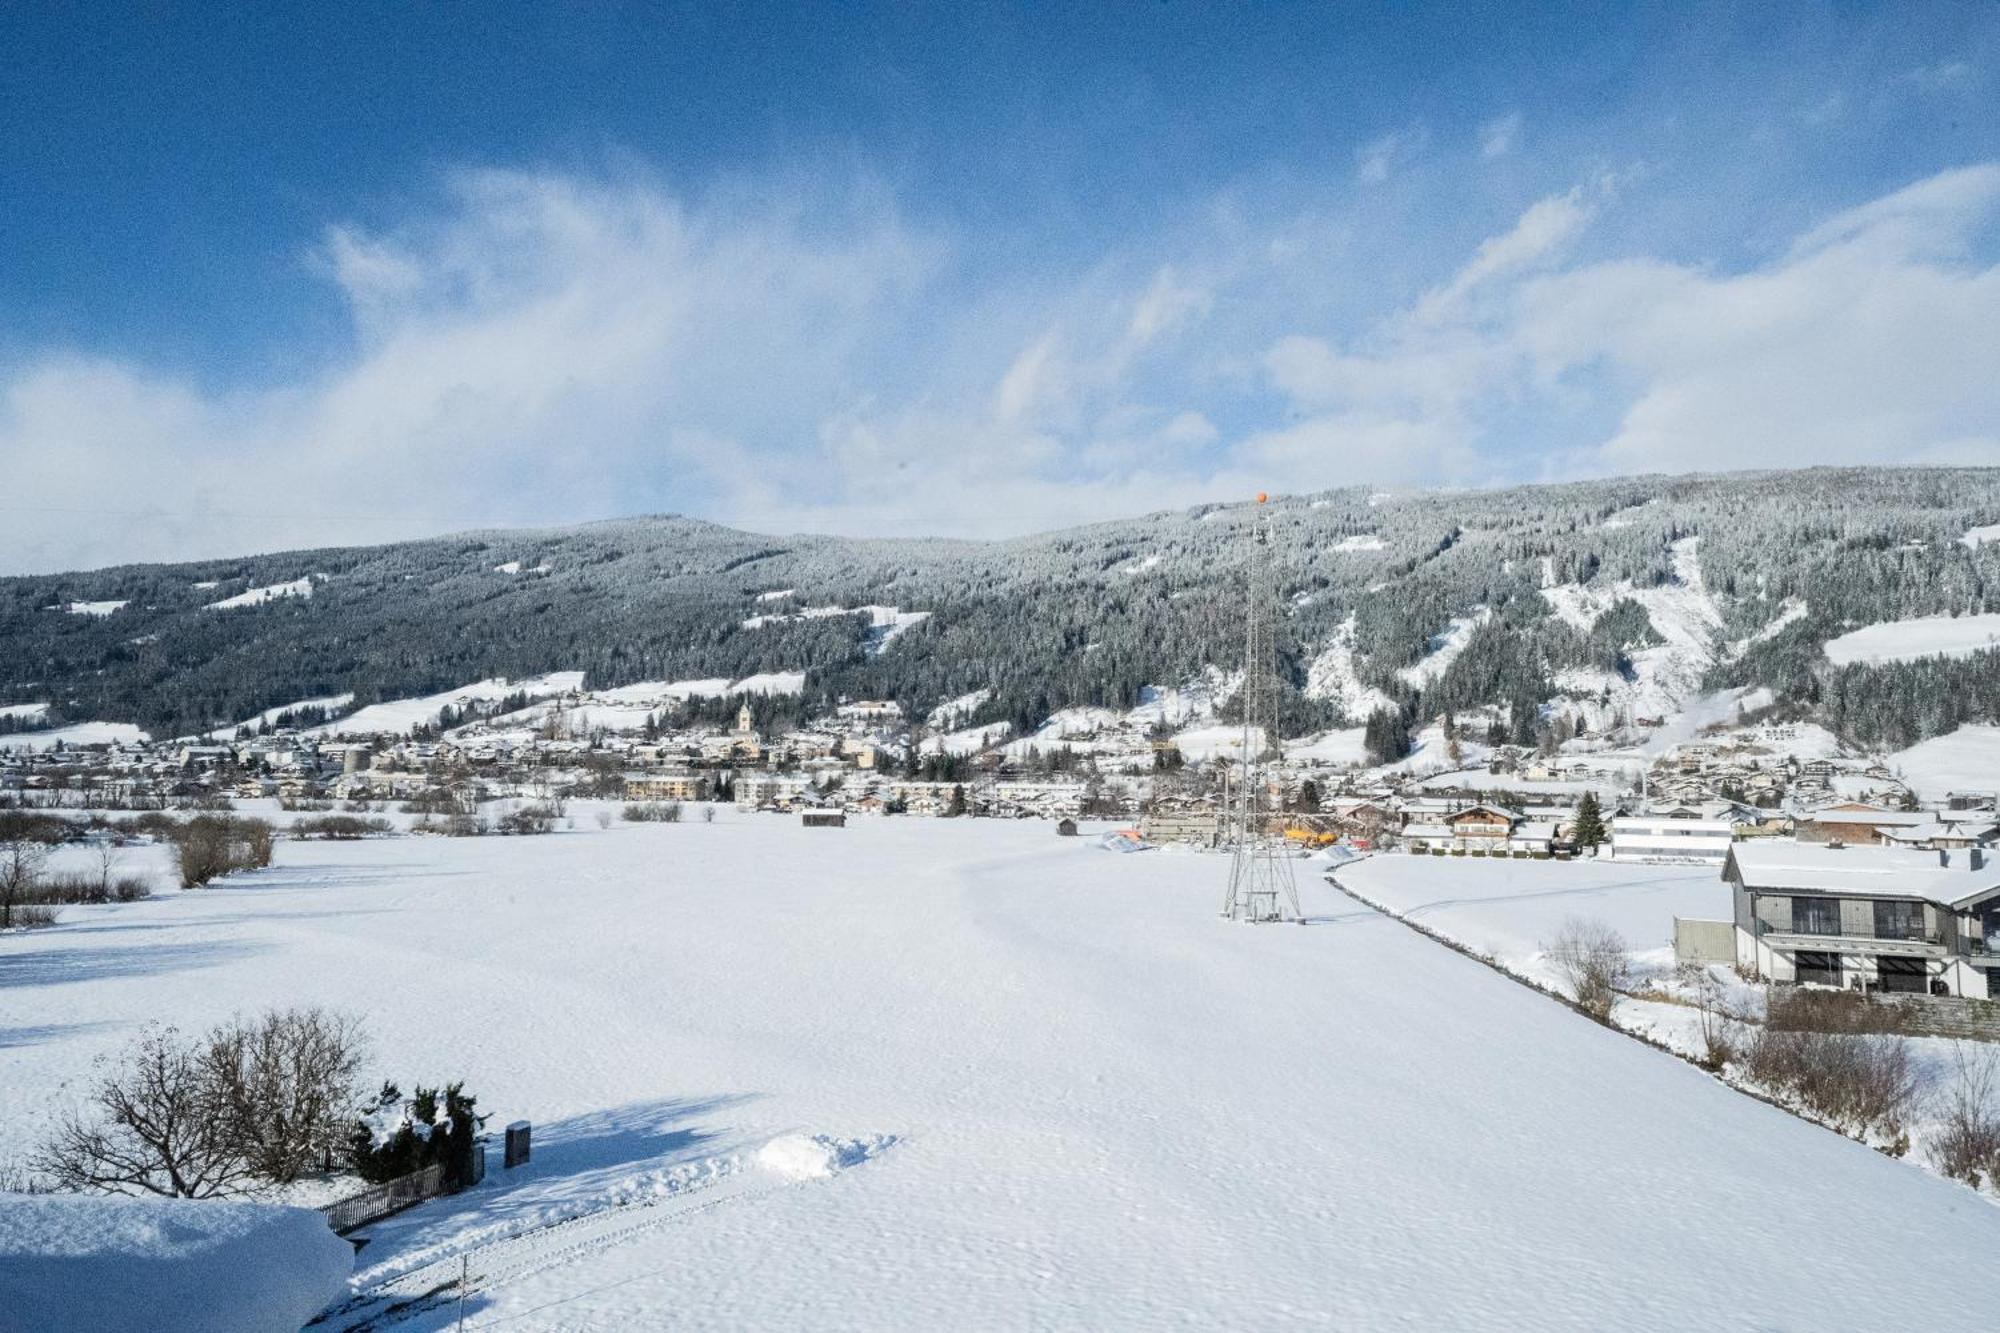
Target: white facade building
(1659, 838)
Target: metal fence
(389, 1197)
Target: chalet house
(1493, 829)
(1199, 824)
(1365, 820)
(1855, 823)
(1867, 918)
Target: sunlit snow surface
(1016, 1082)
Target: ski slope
(1012, 1082)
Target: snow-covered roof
(1947, 877)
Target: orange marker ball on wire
(1261, 497)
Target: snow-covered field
(270, 593)
(80, 733)
(1967, 759)
(926, 1074)
(1508, 909)
(1907, 640)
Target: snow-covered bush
(340, 827)
(652, 812)
(529, 819)
(1863, 1085)
(208, 846)
(1967, 1144)
(397, 1136)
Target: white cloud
(1946, 76)
(1870, 340)
(1498, 136)
(532, 352)
(543, 349)
(1375, 160)
(1546, 227)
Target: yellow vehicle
(1310, 837)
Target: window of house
(1905, 975)
(1816, 916)
(1817, 969)
(1899, 920)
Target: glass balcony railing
(1906, 934)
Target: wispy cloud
(536, 347)
(1377, 159)
(1497, 137)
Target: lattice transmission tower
(1261, 883)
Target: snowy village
(999, 667)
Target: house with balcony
(1491, 830)
(1867, 918)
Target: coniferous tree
(1588, 829)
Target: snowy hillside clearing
(969, 740)
(77, 734)
(769, 683)
(1682, 613)
(1062, 1047)
(1978, 537)
(332, 703)
(953, 711)
(1194, 700)
(95, 608)
(1331, 675)
(24, 712)
(1345, 747)
(884, 622)
(1444, 649)
(1967, 759)
(1908, 640)
(399, 717)
(270, 593)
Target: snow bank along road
(1019, 1083)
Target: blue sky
(348, 273)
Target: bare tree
(21, 862)
(286, 1086)
(154, 1125)
(107, 852)
(1594, 960)
(1716, 1015)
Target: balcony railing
(1918, 935)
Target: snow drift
(89, 1263)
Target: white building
(1664, 838)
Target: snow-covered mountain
(1598, 601)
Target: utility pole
(1261, 883)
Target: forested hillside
(1624, 594)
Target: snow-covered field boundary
(1636, 1015)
